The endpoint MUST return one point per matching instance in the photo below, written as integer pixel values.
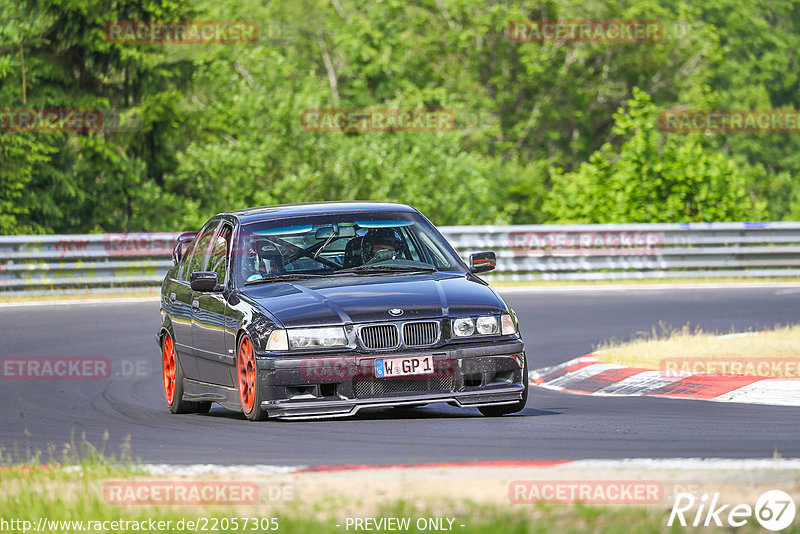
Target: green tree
(650, 176)
(108, 180)
(218, 126)
(20, 155)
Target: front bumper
(339, 385)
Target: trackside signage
(585, 243)
(586, 491)
(181, 493)
(774, 510)
(55, 368)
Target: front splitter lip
(347, 408)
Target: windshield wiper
(388, 269)
(288, 277)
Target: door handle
(195, 303)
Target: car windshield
(332, 245)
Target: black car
(319, 310)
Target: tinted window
(196, 260)
(218, 260)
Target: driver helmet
(267, 257)
(381, 244)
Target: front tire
(172, 376)
(506, 409)
(249, 390)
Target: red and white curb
(671, 464)
(688, 464)
(586, 375)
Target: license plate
(416, 365)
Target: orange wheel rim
(247, 375)
(168, 368)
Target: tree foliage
(545, 132)
(652, 177)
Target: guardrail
(30, 263)
(631, 251)
(531, 252)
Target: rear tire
(248, 382)
(172, 377)
(506, 409)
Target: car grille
(420, 334)
(371, 387)
(384, 336)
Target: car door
(182, 298)
(214, 362)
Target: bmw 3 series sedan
(320, 310)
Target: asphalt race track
(557, 325)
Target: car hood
(361, 299)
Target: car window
(218, 260)
(196, 260)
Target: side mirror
(481, 262)
(204, 281)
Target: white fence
(531, 252)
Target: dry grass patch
(773, 353)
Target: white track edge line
(648, 287)
(78, 302)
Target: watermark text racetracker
(730, 120)
(51, 120)
(377, 120)
(72, 368)
(204, 493)
(584, 243)
(586, 31)
(180, 492)
(785, 367)
(586, 491)
(181, 32)
(76, 120)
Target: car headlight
(315, 338)
(464, 327)
(485, 325)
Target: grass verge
(75, 501)
(698, 351)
